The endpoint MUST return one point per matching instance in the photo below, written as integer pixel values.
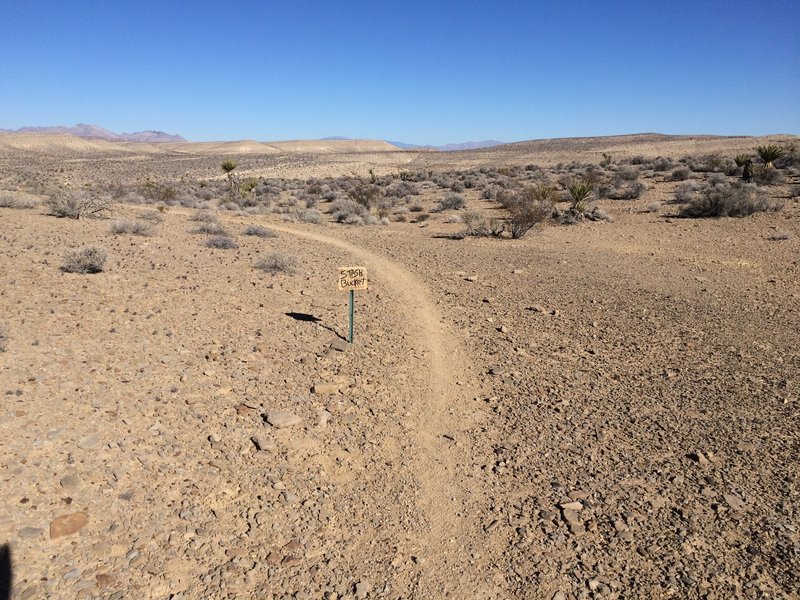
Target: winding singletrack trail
(437, 409)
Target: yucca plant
(580, 192)
(741, 159)
(228, 166)
(769, 153)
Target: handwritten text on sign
(352, 278)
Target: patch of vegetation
(450, 202)
(258, 231)
(210, 228)
(74, 205)
(17, 200)
(221, 242)
(90, 259)
(3, 337)
(131, 227)
(276, 263)
(729, 200)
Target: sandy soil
(604, 410)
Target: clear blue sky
(422, 72)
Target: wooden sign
(352, 278)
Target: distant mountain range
(445, 148)
(93, 132)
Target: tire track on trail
(438, 409)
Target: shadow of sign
(306, 318)
(6, 572)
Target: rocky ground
(603, 410)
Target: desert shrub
(662, 163)
(488, 193)
(626, 173)
(210, 228)
(3, 337)
(204, 216)
(457, 186)
(685, 193)
(580, 191)
(680, 174)
(779, 236)
(349, 212)
(90, 259)
(132, 227)
(767, 176)
(453, 219)
(150, 216)
(77, 204)
(626, 192)
(653, 207)
(310, 215)
(769, 153)
(794, 191)
(17, 200)
(258, 231)
(416, 208)
(364, 194)
(729, 200)
(450, 202)
(476, 225)
(221, 242)
(422, 217)
(526, 213)
(276, 263)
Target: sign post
(352, 279)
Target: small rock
(472, 278)
(325, 388)
(339, 345)
(700, 458)
(281, 419)
(28, 533)
(67, 525)
(89, 442)
(571, 506)
(104, 579)
(69, 482)
(735, 502)
(291, 561)
(362, 589)
(262, 443)
(71, 574)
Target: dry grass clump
(680, 174)
(90, 259)
(276, 263)
(18, 200)
(258, 231)
(221, 242)
(450, 202)
(350, 212)
(131, 227)
(310, 215)
(3, 337)
(151, 216)
(729, 200)
(210, 228)
(75, 205)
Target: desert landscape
(574, 374)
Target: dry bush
(132, 227)
(450, 202)
(90, 259)
(680, 174)
(729, 200)
(151, 217)
(310, 215)
(350, 213)
(527, 207)
(210, 228)
(3, 337)
(364, 194)
(204, 216)
(476, 225)
(18, 200)
(75, 205)
(258, 231)
(276, 263)
(221, 242)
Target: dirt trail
(437, 413)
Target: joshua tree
(228, 166)
(769, 153)
(580, 192)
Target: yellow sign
(352, 278)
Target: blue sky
(413, 71)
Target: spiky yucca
(741, 159)
(769, 153)
(580, 192)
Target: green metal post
(352, 310)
